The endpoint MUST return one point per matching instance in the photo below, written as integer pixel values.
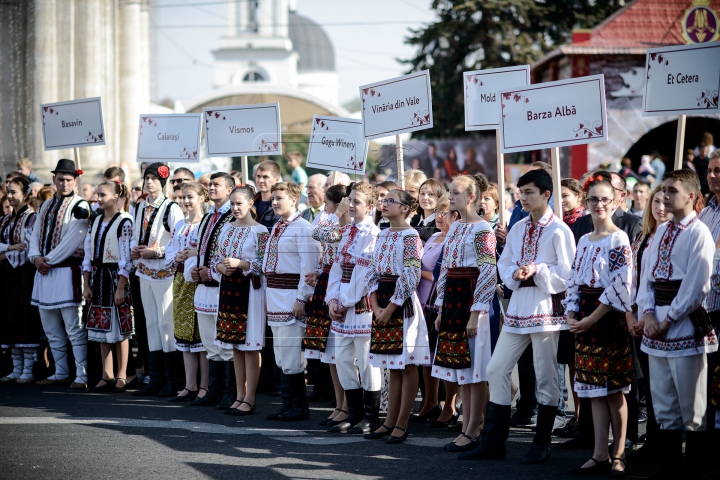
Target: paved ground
(49, 432)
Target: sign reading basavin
(481, 99)
(250, 130)
(682, 80)
(72, 124)
(169, 138)
(553, 114)
(337, 144)
(398, 105)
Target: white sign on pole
(481, 99)
(398, 105)
(171, 137)
(682, 80)
(250, 130)
(337, 144)
(72, 124)
(553, 114)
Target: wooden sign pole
(501, 179)
(680, 141)
(400, 162)
(77, 158)
(557, 193)
(244, 168)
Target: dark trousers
(269, 371)
(140, 324)
(322, 380)
(526, 405)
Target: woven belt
(464, 272)
(530, 282)
(283, 281)
(665, 292)
(347, 270)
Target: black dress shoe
(241, 413)
(599, 467)
(450, 423)
(378, 435)
(185, 398)
(105, 387)
(229, 409)
(395, 440)
(454, 447)
(538, 453)
(331, 423)
(569, 430)
(434, 413)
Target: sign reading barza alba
(250, 130)
(337, 144)
(71, 124)
(398, 105)
(481, 99)
(171, 137)
(553, 114)
(682, 80)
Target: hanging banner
(481, 99)
(171, 137)
(337, 144)
(73, 124)
(682, 80)
(250, 130)
(398, 105)
(553, 114)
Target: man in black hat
(56, 249)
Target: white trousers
(207, 324)
(679, 389)
(157, 297)
(510, 346)
(347, 351)
(61, 325)
(287, 343)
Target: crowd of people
(375, 292)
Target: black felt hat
(66, 166)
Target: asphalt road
(50, 432)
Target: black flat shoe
(230, 409)
(185, 398)
(617, 473)
(332, 423)
(107, 386)
(454, 447)
(325, 421)
(599, 467)
(120, 389)
(241, 413)
(434, 413)
(450, 423)
(457, 428)
(378, 435)
(395, 440)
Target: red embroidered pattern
(662, 270)
(273, 245)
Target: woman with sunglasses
(398, 336)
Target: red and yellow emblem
(700, 23)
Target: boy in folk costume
(291, 254)
(56, 249)
(535, 264)
(677, 334)
(221, 388)
(155, 219)
(349, 305)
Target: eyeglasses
(387, 202)
(178, 180)
(444, 214)
(137, 189)
(593, 201)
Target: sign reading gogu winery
(337, 144)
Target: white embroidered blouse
(397, 253)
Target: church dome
(314, 49)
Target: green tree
(479, 34)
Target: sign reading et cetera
(397, 105)
(169, 138)
(683, 80)
(553, 114)
(72, 124)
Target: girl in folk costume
(465, 290)
(352, 316)
(20, 326)
(182, 247)
(241, 304)
(399, 335)
(106, 268)
(291, 254)
(598, 297)
(318, 342)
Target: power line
(339, 24)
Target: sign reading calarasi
(72, 124)
(398, 105)
(169, 138)
(682, 80)
(553, 114)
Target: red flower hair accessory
(164, 172)
(79, 172)
(592, 179)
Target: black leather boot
(172, 382)
(695, 460)
(356, 409)
(371, 422)
(494, 435)
(216, 386)
(298, 396)
(230, 387)
(540, 449)
(286, 398)
(157, 375)
(671, 448)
